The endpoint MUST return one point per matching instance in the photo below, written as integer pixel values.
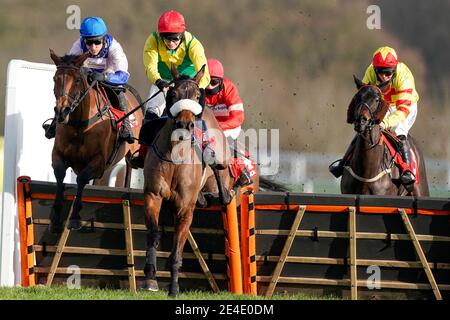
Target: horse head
(68, 81)
(183, 103)
(367, 108)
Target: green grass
(64, 293)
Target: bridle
(74, 102)
(370, 122)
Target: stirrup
(136, 162)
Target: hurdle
(318, 244)
(110, 248)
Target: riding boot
(407, 178)
(126, 132)
(337, 167)
(50, 129)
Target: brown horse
(174, 172)
(372, 169)
(86, 139)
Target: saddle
(109, 95)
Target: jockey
(223, 98)
(402, 97)
(171, 44)
(107, 63)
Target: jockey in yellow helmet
(400, 91)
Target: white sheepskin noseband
(185, 104)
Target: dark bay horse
(173, 181)
(86, 139)
(372, 169)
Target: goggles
(215, 81)
(386, 72)
(172, 37)
(90, 42)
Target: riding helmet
(93, 27)
(385, 57)
(171, 22)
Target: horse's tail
(268, 185)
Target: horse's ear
(200, 74)
(57, 60)
(80, 60)
(358, 82)
(351, 111)
(174, 71)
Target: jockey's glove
(161, 84)
(382, 125)
(99, 76)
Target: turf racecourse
(64, 293)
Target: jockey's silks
(400, 94)
(188, 58)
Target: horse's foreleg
(183, 223)
(152, 206)
(83, 179)
(56, 221)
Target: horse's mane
(69, 58)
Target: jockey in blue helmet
(107, 62)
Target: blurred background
(292, 61)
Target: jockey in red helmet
(170, 44)
(400, 92)
(223, 98)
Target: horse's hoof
(151, 285)
(55, 228)
(174, 290)
(74, 224)
(173, 293)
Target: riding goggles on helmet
(172, 36)
(90, 42)
(386, 71)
